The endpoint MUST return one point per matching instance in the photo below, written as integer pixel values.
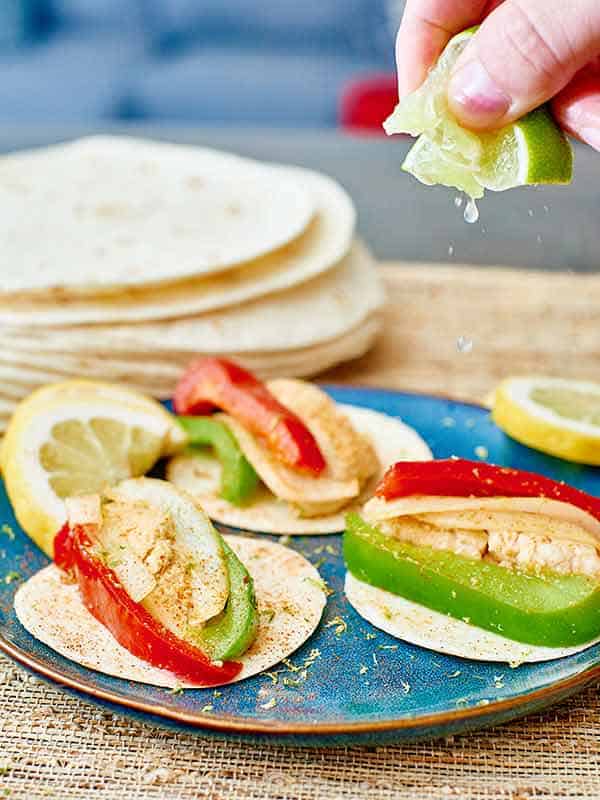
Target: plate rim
(246, 725)
(234, 724)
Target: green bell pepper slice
(230, 634)
(538, 609)
(239, 480)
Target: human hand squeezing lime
(476, 95)
(525, 53)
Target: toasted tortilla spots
(306, 259)
(133, 213)
(200, 474)
(290, 604)
(419, 625)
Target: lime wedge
(532, 150)
(557, 416)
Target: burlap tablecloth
(53, 745)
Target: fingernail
(591, 136)
(474, 97)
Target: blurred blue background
(284, 63)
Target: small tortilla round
(419, 625)
(200, 475)
(157, 374)
(6, 405)
(336, 302)
(103, 213)
(325, 241)
(285, 583)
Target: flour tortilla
(200, 475)
(6, 406)
(317, 311)
(11, 393)
(419, 625)
(285, 582)
(107, 212)
(157, 374)
(324, 242)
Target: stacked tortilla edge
(309, 303)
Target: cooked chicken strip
(470, 543)
(350, 457)
(511, 522)
(348, 454)
(377, 508)
(137, 539)
(543, 552)
(147, 530)
(312, 496)
(515, 539)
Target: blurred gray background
(281, 80)
(542, 228)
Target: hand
(525, 53)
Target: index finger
(427, 27)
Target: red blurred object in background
(367, 102)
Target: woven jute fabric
(55, 746)
(505, 322)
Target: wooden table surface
(56, 745)
(509, 322)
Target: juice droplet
(464, 344)
(451, 250)
(458, 201)
(471, 212)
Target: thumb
(523, 54)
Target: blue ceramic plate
(350, 683)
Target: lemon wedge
(79, 437)
(557, 416)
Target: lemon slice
(533, 150)
(78, 437)
(559, 417)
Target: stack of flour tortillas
(124, 259)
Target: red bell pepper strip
(457, 477)
(129, 622)
(63, 548)
(213, 383)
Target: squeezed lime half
(532, 150)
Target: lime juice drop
(471, 213)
